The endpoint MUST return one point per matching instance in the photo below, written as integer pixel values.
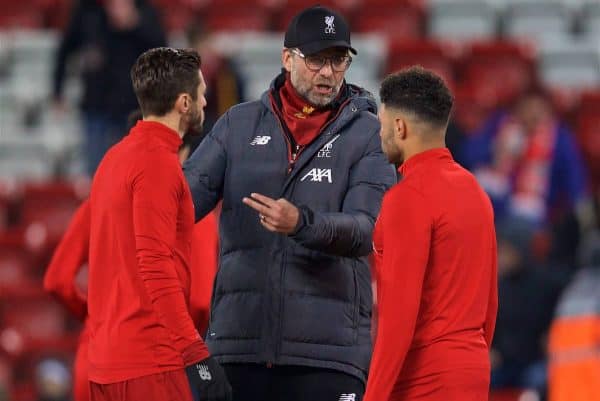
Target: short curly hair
(161, 74)
(418, 91)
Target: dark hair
(161, 74)
(418, 91)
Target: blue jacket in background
(303, 299)
(568, 177)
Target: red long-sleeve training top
(69, 256)
(140, 238)
(435, 252)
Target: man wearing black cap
(301, 175)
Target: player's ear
(400, 128)
(183, 103)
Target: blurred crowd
(533, 146)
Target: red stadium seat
(398, 21)
(292, 7)
(51, 204)
(589, 101)
(15, 266)
(345, 7)
(34, 324)
(437, 56)
(504, 68)
(246, 18)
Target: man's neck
(170, 120)
(424, 146)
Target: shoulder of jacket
(246, 107)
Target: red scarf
(532, 180)
(521, 167)
(303, 120)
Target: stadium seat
(590, 18)
(501, 69)
(438, 56)
(462, 19)
(16, 263)
(569, 63)
(46, 211)
(401, 21)
(345, 7)
(536, 19)
(293, 7)
(19, 15)
(31, 329)
(246, 18)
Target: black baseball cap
(318, 28)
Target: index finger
(259, 207)
(263, 199)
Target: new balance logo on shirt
(318, 174)
(348, 397)
(260, 140)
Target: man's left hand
(278, 216)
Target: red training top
(435, 250)
(68, 258)
(204, 262)
(139, 277)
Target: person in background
(529, 163)
(435, 252)
(527, 294)
(223, 78)
(107, 36)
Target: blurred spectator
(224, 82)
(53, 381)
(527, 296)
(528, 162)
(108, 37)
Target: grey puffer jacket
(303, 299)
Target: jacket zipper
(294, 151)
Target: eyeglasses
(339, 63)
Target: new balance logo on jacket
(260, 140)
(348, 397)
(318, 174)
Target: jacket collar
(353, 99)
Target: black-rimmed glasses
(339, 63)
